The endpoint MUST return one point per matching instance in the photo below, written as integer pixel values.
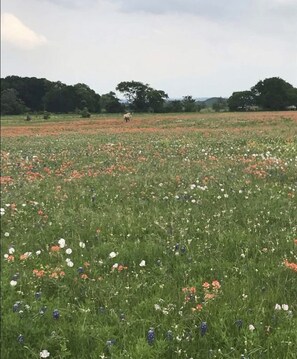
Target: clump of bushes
(85, 113)
(46, 115)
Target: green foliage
(85, 113)
(141, 97)
(11, 104)
(241, 101)
(110, 103)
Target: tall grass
(150, 245)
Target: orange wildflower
(199, 307)
(23, 256)
(291, 265)
(209, 296)
(40, 212)
(55, 248)
(84, 276)
(10, 258)
(216, 284)
(205, 285)
(38, 273)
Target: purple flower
(56, 314)
(203, 328)
(151, 336)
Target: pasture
(170, 236)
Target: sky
(201, 48)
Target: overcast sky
(201, 48)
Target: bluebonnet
(21, 339)
(203, 328)
(80, 270)
(151, 336)
(169, 335)
(239, 323)
(37, 295)
(16, 307)
(56, 314)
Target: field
(171, 236)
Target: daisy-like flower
(112, 254)
(68, 251)
(285, 307)
(13, 283)
(251, 328)
(62, 242)
(82, 244)
(277, 307)
(44, 353)
(142, 263)
(69, 263)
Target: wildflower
(69, 263)
(84, 276)
(21, 339)
(285, 307)
(6, 234)
(38, 252)
(82, 245)
(44, 353)
(10, 258)
(55, 248)
(13, 283)
(42, 310)
(216, 284)
(56, 314)
(199, 307)
(277, 307)
(112, 254)
(205, 285)
(16, 307)
(62, 242)
(169, 335)
(203, 328)
(2, 211)
(80, 270)
(151, 336)
(37, 295)
(239, 323)
(251, 328)
(142, 263)
(68, 251)
(11, 250)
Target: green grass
(195, 208)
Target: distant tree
(173, 106)
(86, 97)
(241, 101)
(156, 100)
(220, 105)
(274, 94)
(110, 103)
(189, 104)
(11, 104)
(141, 97)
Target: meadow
(171, 236)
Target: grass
(169, 222)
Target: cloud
(14, 32)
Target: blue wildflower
(37, 295)
(169, 335)
(21, 339)
(80, 270)
(203, 328)
(56, 314)
(239, 323)
(16, 307)
(151, 336)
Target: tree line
(29, 94)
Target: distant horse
(127, 116)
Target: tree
(110, 103)
(141, 97)
(11, 104)
(241, 101)
(274, 94)
(156, 100)
(173, 106)
(189, 104)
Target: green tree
(156, 100)
(110, 103)
(173, 106)
(141, 97)
(189, 104)
(274, 94)
(241, 101)
(11, 104)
